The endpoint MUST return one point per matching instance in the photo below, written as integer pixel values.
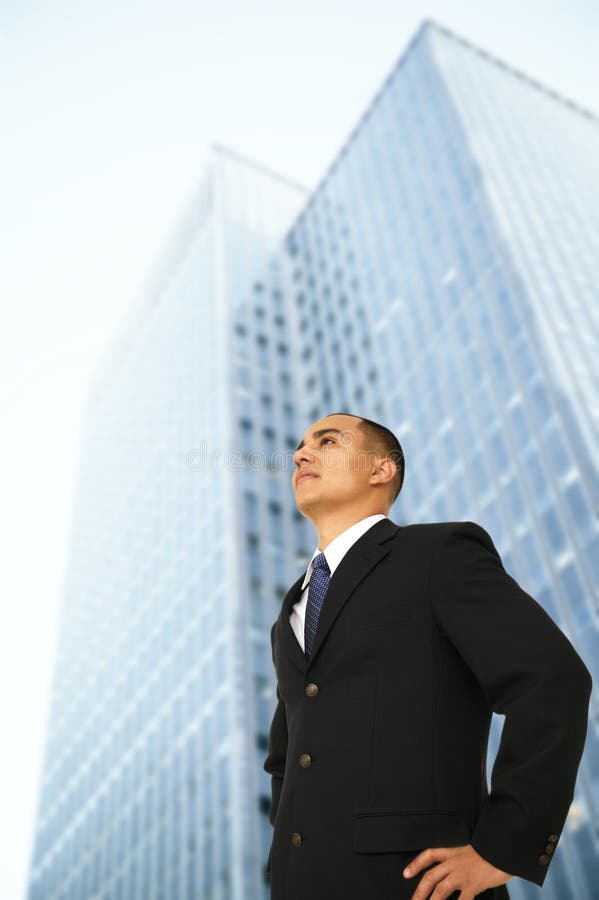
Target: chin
(305, 504)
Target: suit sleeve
(277, 747)
(530, 673)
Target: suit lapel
(291, 646)
(360, 559)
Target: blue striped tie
(319, 583)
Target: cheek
(348, 482)
(345, 468)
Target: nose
(301, 455)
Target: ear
(384, 471)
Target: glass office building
(149, 779)
(445, 274)
(441, 278)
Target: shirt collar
(338, 547)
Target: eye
(327, 439)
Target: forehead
(343, 423)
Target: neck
(331, 525)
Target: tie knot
(320, 562)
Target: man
(391, 653)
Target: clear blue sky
(107, 110)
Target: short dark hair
(383, 441)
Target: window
(579, 508)
(541, 403)
(557, 451)
(553, 530)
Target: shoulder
(441, 534)
(436, 531)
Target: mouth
(306, 475)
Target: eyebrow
(318, 434)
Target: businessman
(391, 653)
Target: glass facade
(445, 274)
(441, 278)
(148, 786)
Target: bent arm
(529, 672)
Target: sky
(107, 111)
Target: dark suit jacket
(377, 747)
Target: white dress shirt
(334, 553)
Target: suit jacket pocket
(413, 830)
(386, 615)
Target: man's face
(332, 466)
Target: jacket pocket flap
(386, 832)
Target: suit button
(544, 859)
(553, 838)
(311, 689)
(305, 760)
(549, 848)
(296, 839)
